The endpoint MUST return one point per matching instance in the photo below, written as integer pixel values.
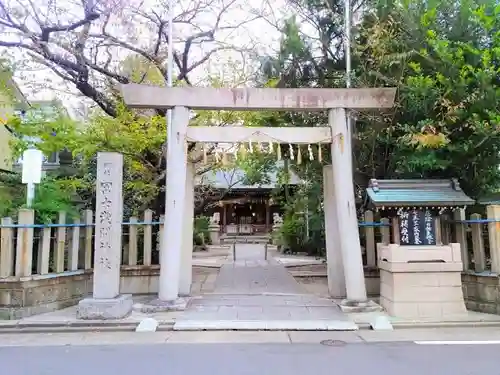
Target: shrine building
(243, 209)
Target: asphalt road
(240, 359)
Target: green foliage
(201, 233)
(138, 135)
(444, 60)
(48, 132)
(138, 138)
(294, 237)
(257, 166)
(52, 195)
(140, 70)
(7, 95)
(442, 56)
(303, 223)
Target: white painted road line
(492, 342)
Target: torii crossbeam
(342, 217)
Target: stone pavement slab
(67, 317)
(291, 260)
(252, 293)
(251, 273)
(255, 277)
(265, 306)
(245, 251)
(469, 319)
(265, 324)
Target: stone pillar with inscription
(106, 301)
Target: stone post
(461, 236)
(186, 275)
(214, 230)
(370, 246)
(106, 302)
(277, 227)
(224, 217)
(493, 212)
(268, 215)
(24, 249)
(345, 207)
(7, 252)
(277, 223)
(396, 238)
(385, 231)
(335, 268)
(478, 245)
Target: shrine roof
(490, 199)
(234, 179)
(401, 193)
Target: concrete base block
(421, 284)
(381, 323)
(105, 309)
(349, 306)
(158, 305)
(214, 230)
(147, 325)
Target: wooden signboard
(417, 227)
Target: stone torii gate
(344, 258)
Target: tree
(84, 44)
(52, 196)
(444, 58)
(95, 45)
(139, 136)
(444, 110)
(6, 94)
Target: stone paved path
(254, 293)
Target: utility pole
(348, 67)
(347, 42)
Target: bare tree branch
(94, 44)
(90, 43)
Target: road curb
(53, 327)
(423, 325)
(446, 325)
(58, 327)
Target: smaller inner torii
(345, 265)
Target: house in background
(12, 100)
(46, 110)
